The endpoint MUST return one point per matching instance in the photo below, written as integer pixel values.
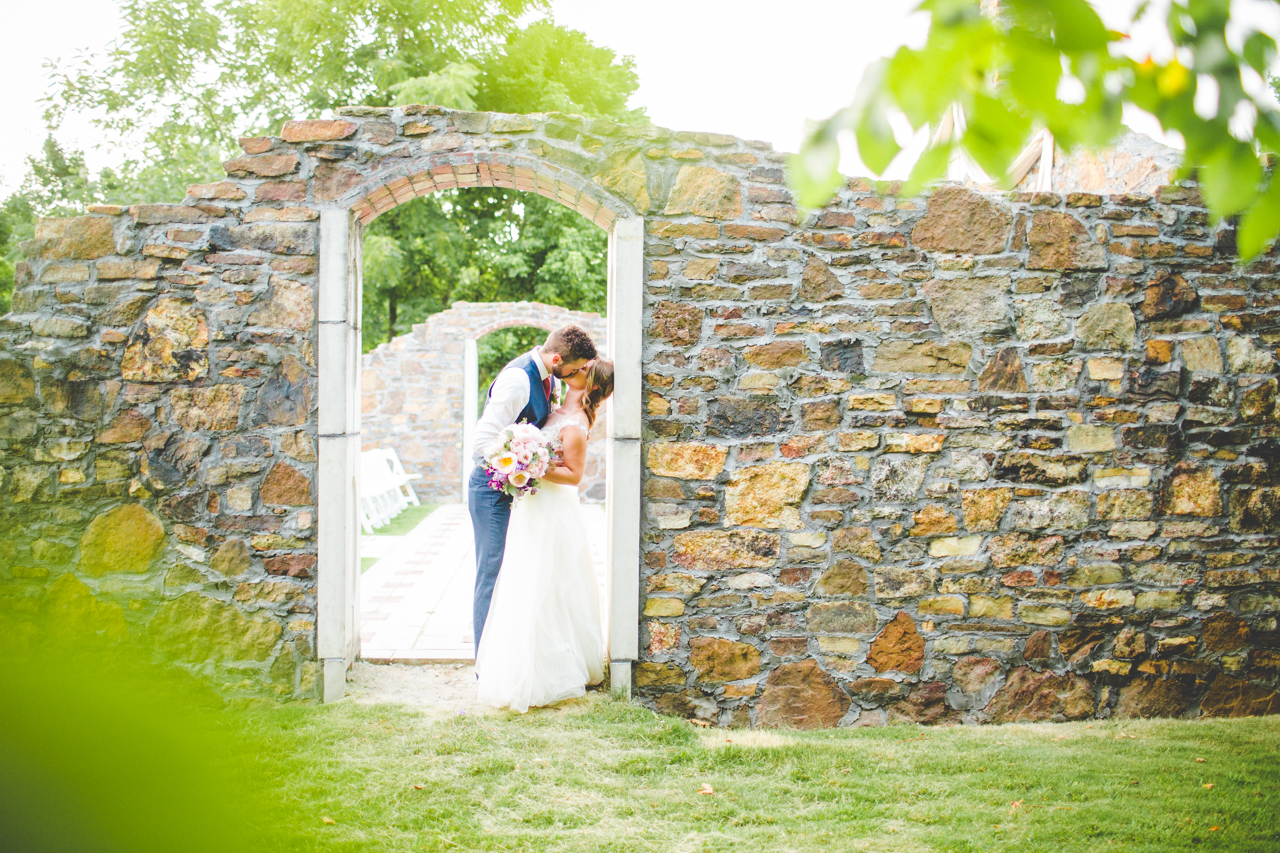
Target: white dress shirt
(509, 397)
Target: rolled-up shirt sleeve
(510, 396)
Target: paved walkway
(416, 600)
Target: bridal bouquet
(518, 457)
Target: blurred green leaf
(1004, 72)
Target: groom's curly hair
(571, 343)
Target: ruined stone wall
(963, 456)
(990, 459)
(412, 392)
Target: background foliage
(1053, 64)
(189, 77)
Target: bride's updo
(600, 383)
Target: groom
(520, 393)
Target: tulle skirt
(541, 641)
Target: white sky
(753, 68)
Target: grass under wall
(602, 775)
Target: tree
(1052, 63)
(189, 76)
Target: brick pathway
(416, 600)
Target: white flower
(519, 479)
(504, 462)
(525, 431)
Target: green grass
(602, 775)
(408, 519)
(366, 563)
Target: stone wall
(412, 391)
(988, 459)
(982, 457)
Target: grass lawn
(408, 519)
(602, 775)
(366, 563)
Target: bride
(542, 642)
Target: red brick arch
(385, 190)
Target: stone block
(846, 577)
(983, 508)
(957, 219)
(705, 191)
(1059, 241)
(686, 461)
(1192, 491)
(718, 660)
(897, 648)
(841, 617)
(1021, 549)
(718, 550)
(969, 306)
(922, 357)
(677, 323)
(801, 696)
(1109, 326)
(126, 539)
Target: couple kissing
(536, 609)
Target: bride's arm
(569, 471)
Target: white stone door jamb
(338, 528)
(338, 585)
(622, 452)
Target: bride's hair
(600, 381)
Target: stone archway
(418, 391)
(350, 198)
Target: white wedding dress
(542, 642)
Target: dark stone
(171, 466)
(285, 398)
(1154, 437)
(285, 238)
(1255, 510)
(1148, 384)
(739, 417)
(1167, 296)
(802, 696)
(1023, 467)
(1003, 373)
(1076, 644)
(1258, 406)
(844, 356)
(1155, 697)
(78, 398)
(1209, 391)
(187, 507)
(1224, 632)
(1032, 697)
(1233, 697)
(1075, 292)
(926, 704)
(1038, 647)
(291, 565)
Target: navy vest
(539, 408)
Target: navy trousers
(490, 514)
